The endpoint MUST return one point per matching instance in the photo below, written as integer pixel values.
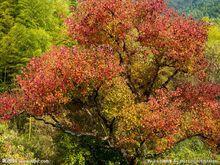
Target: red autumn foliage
(170, 109)
(10, 105)
(102, 29)
(52, 79)
(174, 37)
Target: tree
(213, 51)
(135, 81)
(16, 146)
(27, 29)
(197, 8)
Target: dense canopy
(136, 79)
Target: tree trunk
(132, 160)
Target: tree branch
(127, 74)
(98, 142)
(169, 79)
(149, 90)
(108, 124)
(59, 126)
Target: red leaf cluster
(188, 110)
(168, 34)
(91, 23)
(63, 73)
(9, 105)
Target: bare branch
(59, 126)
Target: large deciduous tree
(136, 80)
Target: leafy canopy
(27, 29)
(136, 79)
